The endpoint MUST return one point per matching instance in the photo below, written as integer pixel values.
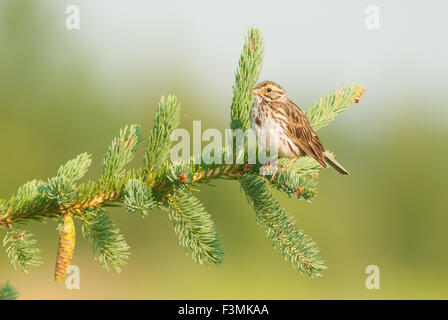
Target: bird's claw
(266, 170)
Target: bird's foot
(275, 173)
(278, 170)
(267, 170)
(270, 170)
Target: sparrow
(274, 116)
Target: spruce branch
(159, 142)
(163, 184)
(138, 197)
(61, 190)
(246, 76)
(29, 202)
(21, 249)
(194, 227)
(106, 239)
(303, 166)
(280, 229)
(120, 153)
(75, 169)
(295, 246)
(294, 185)
(326, 109)
(7, 292)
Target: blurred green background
(64, 92)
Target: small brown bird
(280, 119)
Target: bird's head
(270, 91)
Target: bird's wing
(302, 134)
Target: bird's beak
(255, 91)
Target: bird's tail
(336, 165)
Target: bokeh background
(64, 92)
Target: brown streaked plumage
(281, 119)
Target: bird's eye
(269, 90)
